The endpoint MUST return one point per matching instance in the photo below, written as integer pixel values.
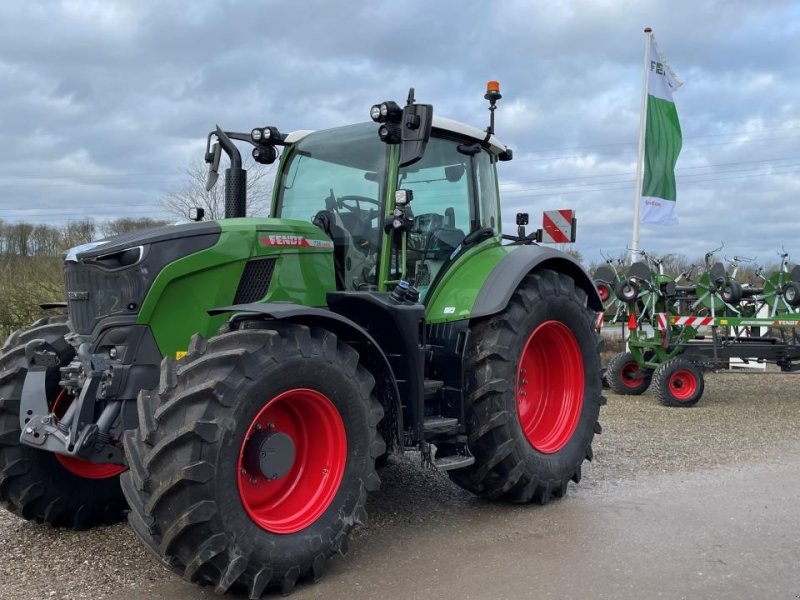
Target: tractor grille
(255, 280)
(93, 293)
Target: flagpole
(640, 156)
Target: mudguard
(499, 286)
(374, 358)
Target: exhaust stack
(235, 176)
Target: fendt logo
(283, 240)
(293, 241)
(77, 295)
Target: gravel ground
(743, 417)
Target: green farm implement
(728, 321)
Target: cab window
(336, 180)
(487, 191)
(443, 209)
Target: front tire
(200, 496)
(41, 486)
(532, 392)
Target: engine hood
(125, 241)
(112, 277)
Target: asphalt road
(679, 503)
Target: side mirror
(212, 158)
(415, 131)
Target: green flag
(662, 142)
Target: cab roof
(441, 124)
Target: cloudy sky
(103, 104)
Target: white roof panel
(441, 123)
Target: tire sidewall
(664, 374)
(573, 452)
(353, 407)
(787, 295)
(617, 366)
(696, 380)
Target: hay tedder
(676, 328)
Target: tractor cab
(346, 181)
(398, 196)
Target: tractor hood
(111, 277)
(134, 239)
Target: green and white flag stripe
(662, 142)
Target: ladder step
(451, 463)
(433, 385)
(440, 425)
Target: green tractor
(234, 385)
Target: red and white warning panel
(558, 226)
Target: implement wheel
(532, 393)
(42, 486)
(791, 293)
(678, 382)
(625, 377)
(627, 290)
(253, 460)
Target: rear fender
(505, 277)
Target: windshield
(350, 160)
(335, 178)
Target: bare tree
(45, 241)
(192, 192)
(128, 224)
(18, 238)
(570, 250)
(30, 281)
(75, 233)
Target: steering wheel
(341, 200)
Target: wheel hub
(270, 454)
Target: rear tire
(197, 502)
(625, 377)
(678, 382)
(529, 442)
(34, 485)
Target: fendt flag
(662, 142)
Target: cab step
(440, 426)
(432, 388)
(451, 463)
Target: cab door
(455, 193)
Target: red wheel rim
(682, 384)
(296, 499)
(603, 292)
(630, 375)
(78, 466)
(550, 384)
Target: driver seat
(331, 223)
